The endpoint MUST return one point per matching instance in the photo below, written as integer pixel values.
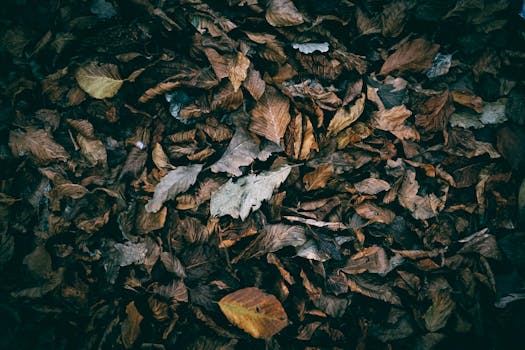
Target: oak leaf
(259, 314)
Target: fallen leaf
(93, 150)
(99, 80)
(373, 260)
(283, 13)
(270, 117)
(393, 18)
(254, 83)
(238, 70)
(372, 186)
(247, 194)
(308, 48)
(130, 329)
(421, 207)
(147, 222)
(344, 117)
(175, 182)
(259, 314)
(160, 158)
(390, 119)
(38, 144)
(374, 213)
(317, 179)
(412, 56)
(241, 151)
(439, 312)
(434, 112)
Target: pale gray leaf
(175, 182)
(247, 194)
(308, 48)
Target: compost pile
(236, 174)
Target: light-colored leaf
(372, 186)
(175, 182)
(99, 80)
(343, 117)
(317, 179)
(283, 13)
(259, 314)
(308, 48)
(270, 117)
(160, 158)
(247, 194)
(238, 70)
(241, 151)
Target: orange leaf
(259, 314)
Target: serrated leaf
(247, 194)
(99, 80)
(259, 314)
(175, 182)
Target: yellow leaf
(259, 314)
(99, 80)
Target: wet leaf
(175, 182)
(99, 80)
(259, 314)
(247, 194)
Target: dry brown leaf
(421, 207)
(374, 288)
(373, 260)
(317, 179)
(355, 133)
(283, 13)
(393, 18)
(412, 56)
(372, 186)
(309, 143)
(254, 83)
(38, 144)
(130, 329)
(434, 112)
(343, 117)
(147, 222)
(390, 119)
(93, 150)
(219, 63)
(374, 213)
(82, 126)
(468, 99)
(160, 158)
(238, 70)
(99, 80)
(270, 117)
(225, 99)
(259, 314)
(462, 142)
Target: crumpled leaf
(373, 260)
(343, 117)
(270, 117)
(118, 255)
(463, 143)
(438, 313)
(440, 65)
(374, 213)
(175, 182)
(372, 186)
(93, 150)
(308, 48)
(130, 329)
(393, 120)
(259, 314)
(412, 56)
(373, 287)
(283, 13)
(433, 114)
(238, 70)
(421, 207)
(241, 151)
(99, 80)
(273, 238)
(247, 194)
(38, 144)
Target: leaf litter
(270, 174)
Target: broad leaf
(343, 118)
(415, 56)
(270, 117)
(99, 80)
(247, 194)
(175, 182)
(283, 13)
(39, 145)
(259, 314)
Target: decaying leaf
(343, 117)
(93, 150)
(271, 115)
(241, 151)
(414, 56)
(317, 179)
(238, 70)
(283, 13)
(259, 314)
(99, 80)
(247, 193)
(175, 182)
(38, 144)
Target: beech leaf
(175, 182)
(283, 13)
(39, 145)
(270, 117)
(99, 80)
(259, 314)
(343, 117)
(415, 56)
(239, 198)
